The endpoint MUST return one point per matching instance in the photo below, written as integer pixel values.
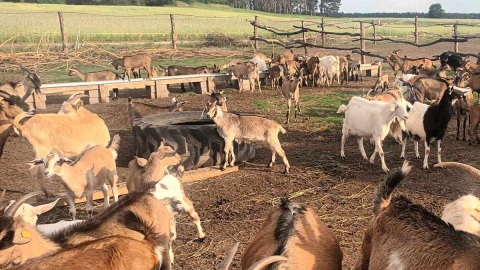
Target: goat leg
(427, 153)
(106, 202)
(360, 146)
(439, 151)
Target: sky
(364, 6)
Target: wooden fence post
(374, 34)
(255, 44)
(323, 30)
(416, 29)
(174, 32)
(64, 34)
(304, 39)
(455, 35)
(362, 42)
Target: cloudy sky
(362, 6)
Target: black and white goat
(429, 122)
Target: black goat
(452, 59)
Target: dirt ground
(232, 207)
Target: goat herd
(139, 229)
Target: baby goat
(403, 235)
(89, 171)
(291, 92)
(295, 232)
(246, 128)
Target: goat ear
(65, 160)
(392, 107)
(21, 237)
(38, 210)
(141, 161)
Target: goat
(382, 82)
(332, 67)
(427, 123)
(285, 56)
(462, 108)
(133, 61)
(265, 58)
(291, 92)
(136, 215)
(89, 171)
(276, 75)
(371, 119)
(405, 64)
(313, 64)
(403, 235)
(68, 133)
(343, 68)
(143, 171)
(296, 233)
(423, 88)
(246, 128)
(430, 72)
(175, 70)
(105, 75)
(452, 59)
(262, 66)
(474, 121)
(246, 70)
(170, 187)
(393, 64)
(136, 110)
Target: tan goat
(143, 171)
(291, 92)
(136, 110)
(136, 215)
(249, 71)
(295, 232)
(381, 82)
(175, 70)
(246, 128)
(134, 61)
(105, 75)
(92, 168)
(405, 64)
(276, 75)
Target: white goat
(233, 127)
(262, 66)
(89, 171)
(464, 214)
(332, 68)
(371, 119)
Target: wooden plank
(188, 177)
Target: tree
(328, 7)
(436, 11)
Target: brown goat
(406, 64)
(394, 65)
(114, 252)
(143, 171)
(343, 64)
(276, 75)
(105, 75)
(382, 82)
(313, 68)
(462, 108)
(403, 235)
(134, 61)
(474, 121)
(291, 92)
(136, 110)
(295, 232)
(135, 215)
(175, 70)
(246, 70)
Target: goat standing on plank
(296, 233)
(403, 235)
(291, 92)
(371, 119)
(233, 127)
(427, 123)
(89, 171)
(134, 61)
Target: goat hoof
(286, 172)
(199, 240)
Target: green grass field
(135, 23)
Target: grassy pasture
(134, 23)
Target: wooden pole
(455, 35)
(304, 40)
(362, 42)
(174, 32)
(374, 34)
(416, 29)
(255, 44)
(63, 32)
(323, 30)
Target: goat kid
(291, 92)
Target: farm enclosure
(234, 206)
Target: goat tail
(114, 145)
(282, 130)
(342, 109)
(386, 187)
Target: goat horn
(471, 170)
(5, 94)
(225, 264)
(266, 261)
(12, 209)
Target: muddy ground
(232, 207)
